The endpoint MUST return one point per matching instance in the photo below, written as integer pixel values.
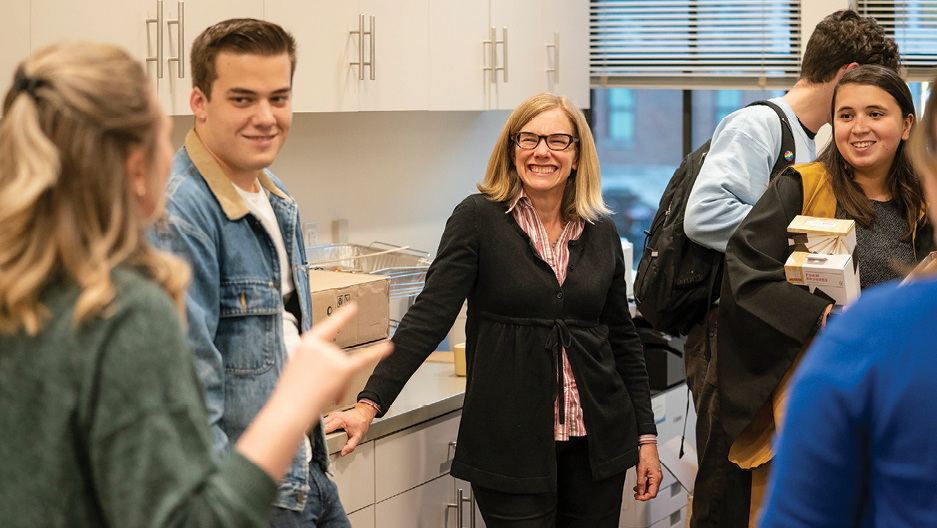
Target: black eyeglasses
(529, 140)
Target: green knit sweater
(106, 425)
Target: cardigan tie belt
(558, 339)
(559, 335)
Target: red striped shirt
(557, 256)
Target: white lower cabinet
(402, 480)
(363, 518)
(354, 476)
(430, 505)
(424, 506)
(406, 459)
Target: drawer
(406, 459)
(354, 476)
(637, 514)
(363, 518)
(676, 519)
(425, 506)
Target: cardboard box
(829, 236)
(333, 289)
(834, 275)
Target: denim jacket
(234, 304)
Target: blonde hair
(582, 197)
(66, 205)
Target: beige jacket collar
(219, 183)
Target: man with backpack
(745, 148)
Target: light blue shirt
(737, 170)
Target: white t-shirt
(259, 204)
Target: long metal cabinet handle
(460, 500)
(180, 38)
(504, 41)
(493, 53)
(361, 33)
(158, 59)
(372, 62)
(556, 57)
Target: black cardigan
(517, 315)
(764, 321)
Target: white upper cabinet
(175, 86)
(335, 38)
(566, 47)
(493, 54)
(457, 55)
(14, 41)
(353, 55)
(325, 80)
(149, 29)
(520, 68)
(119, 22)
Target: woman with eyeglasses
(557, 402)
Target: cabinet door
(457, 55)
(363, 518)
(522, 57)
(325, 79)
(354, 477)
(175, 86)
(400, 58)
(424, 506)
(566, 26)
(413, 456)
(119, 22)
(14, 41)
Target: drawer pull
(458, 506)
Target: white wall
(395, 176)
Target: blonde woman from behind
(102, 415)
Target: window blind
(913, 25)
(695, 44)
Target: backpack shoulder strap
(819, 199)
(788, 148)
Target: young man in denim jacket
(238, 228)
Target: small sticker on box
(820, 223)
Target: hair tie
(27, 84)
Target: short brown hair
(845, 37)
(237, 35)
(582, 197)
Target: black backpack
(677, 279)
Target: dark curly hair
(845, 37)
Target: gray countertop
(434, 390)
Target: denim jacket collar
(221, 186)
